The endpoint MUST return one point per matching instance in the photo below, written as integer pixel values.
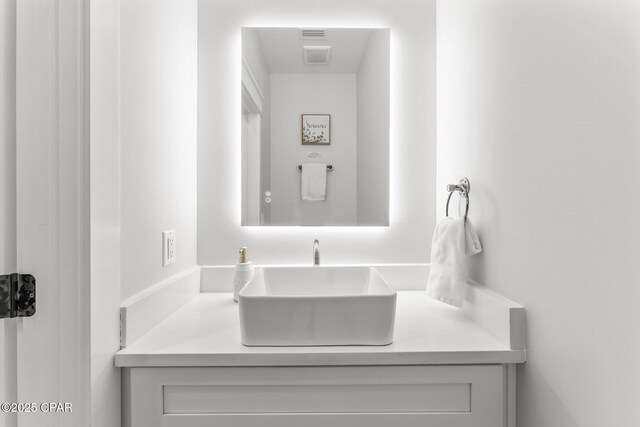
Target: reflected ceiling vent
(313, 33)
(316, 55)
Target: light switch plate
(168, 247)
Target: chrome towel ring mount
(463, 187)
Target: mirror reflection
(315, 126)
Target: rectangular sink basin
(314, 306)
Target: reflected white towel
(314, 181)
(453, 244)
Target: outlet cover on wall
(168, 247)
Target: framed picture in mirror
(316, 129)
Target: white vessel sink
(311, 306)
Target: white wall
(105, 211)
(538, 104)
(296, 94)
(143, 165)
(158, 122)
(373, 131)
(412, 213)
(8, 343)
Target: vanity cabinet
(445, 368)
(371, 396)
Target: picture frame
(316, 129)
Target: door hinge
(17, 295)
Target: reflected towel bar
(329, 168)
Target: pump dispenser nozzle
(244, 256)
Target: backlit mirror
(315, 126)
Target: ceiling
(283, 49)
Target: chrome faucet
(316, 253)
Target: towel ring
(463, 188)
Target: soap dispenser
(243, 273)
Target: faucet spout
(316, 253)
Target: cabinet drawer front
(317, 398)
(411, 396)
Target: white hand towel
(314, 181)
(453, 244)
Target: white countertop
(206, 332)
